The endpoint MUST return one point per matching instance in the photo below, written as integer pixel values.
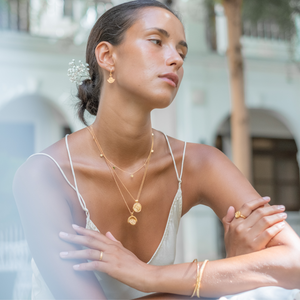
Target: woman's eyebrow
(183, 43)
(166, 34)
(162, 31)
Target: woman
(117, 176)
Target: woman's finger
(87, 241)
(89, 232)
(88, 254)
(91, 266)
(266, 236)
(107, 238)
(106, 265)
(268, 221)
(263, 224)
(252, 205)
(111, 237)
(228, 218)
(261, 213)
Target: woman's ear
(104, 56)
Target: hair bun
(89, 96)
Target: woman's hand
(262, 223)
(115, 260)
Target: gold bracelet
(199, 277)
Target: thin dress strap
(183, 155)
(60, 169)
(81, 201)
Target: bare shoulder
(43, 171)
(199, 158)
(36, 177)
(39, 166)
(46, 163)
(58, 150)
(204, 154)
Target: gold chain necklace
(137, 207)
(113, 165)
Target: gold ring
(101, 255)
(239, 215)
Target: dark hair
(110, 27)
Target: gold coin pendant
(132, 220)
(137, 207)
(110, 80)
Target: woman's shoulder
(56, 153)
(52, 162)
(38, 167)
(196, 152)
(46, 166)
(204, 153)
(45, 161)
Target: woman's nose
(174, 59)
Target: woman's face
(148, 62)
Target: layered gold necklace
(137, 207)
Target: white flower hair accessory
(78, 73)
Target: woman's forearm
(164, 296)
(276, 266)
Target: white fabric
(266, 293)
(164, 254)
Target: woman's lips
(170, 78)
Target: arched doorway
(274, 160)
(27, 124)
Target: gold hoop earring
(110, 79)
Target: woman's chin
(161, 102)
(162, 99)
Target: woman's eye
(157, 42)
(182, 56)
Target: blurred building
(272, 96)
(38, 40)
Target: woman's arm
(221, 277)
(222, 185)
(41, 194)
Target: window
(14, 15)
(276, 171)
(68, 8)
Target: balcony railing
(265, 30)
(57, 19)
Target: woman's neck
(124, 131)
